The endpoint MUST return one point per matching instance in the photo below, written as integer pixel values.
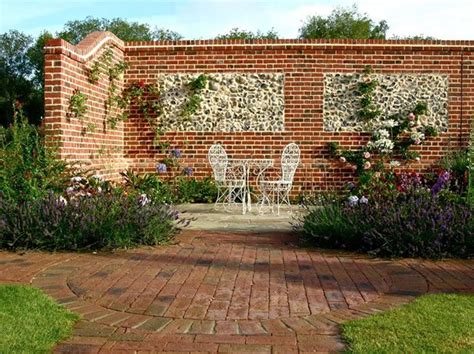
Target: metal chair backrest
(218, 160)
(290, 159)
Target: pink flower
(411, 116)
(342, 159)
(354, 167)
(417, 141)
(366, 155)
(367, 165)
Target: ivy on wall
(391, 137)
(146, 97)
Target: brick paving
(224, 292)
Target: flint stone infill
(396, 93)
(232, 102)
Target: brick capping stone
(85, 48)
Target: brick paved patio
(225, 292)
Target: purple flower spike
(161, 168)
(188, 171)
(443, 179)
(176, 153)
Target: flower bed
(408, 217)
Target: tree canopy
(22, 60)
(237, 33)
(75, 31)
(22, 57)
(343, 23)
(21, 74)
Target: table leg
(249, 197)
(244, 194)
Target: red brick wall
(101, 150)
(303, 62)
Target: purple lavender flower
(161, 168)
(176, 153)
(188, 171)
(443, 178)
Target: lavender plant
(414, 222)
(103, 220)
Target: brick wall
(100, 149)
(302, 61)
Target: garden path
(221, 291)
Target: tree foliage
(343, 23)
(21, 75)
(22, 60)
(237, 33)
(75, 31)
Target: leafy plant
(77, 105)
(192, 190)
(470, 192)
(198, 83)
(150, 185)
(104, 220)
(28, 167)
(457, 163)
(191, 106)
(414, 222)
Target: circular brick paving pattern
(207, 280)
(226, 292)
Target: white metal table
(250, 166)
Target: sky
(193, 19)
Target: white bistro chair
(277, 192)
(229, 180)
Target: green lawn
(430, 324)
(30, 321)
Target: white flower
(417, 158)
(367, 165)
(390, 123)
(97, 177)
(363, 200)
(76, 179)
(342, 159)
(417, 137)
(383, 145)
(381, 134)
(69, 190)
(353, 200)
(394, 163)
(62, 201)
(143, 199)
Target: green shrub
(328, 225)
(470, 192)
(415, 223)
(192, 190)
(149, 184)
(103, 220)
(457, 163)
(179, 189)
(28, 168)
